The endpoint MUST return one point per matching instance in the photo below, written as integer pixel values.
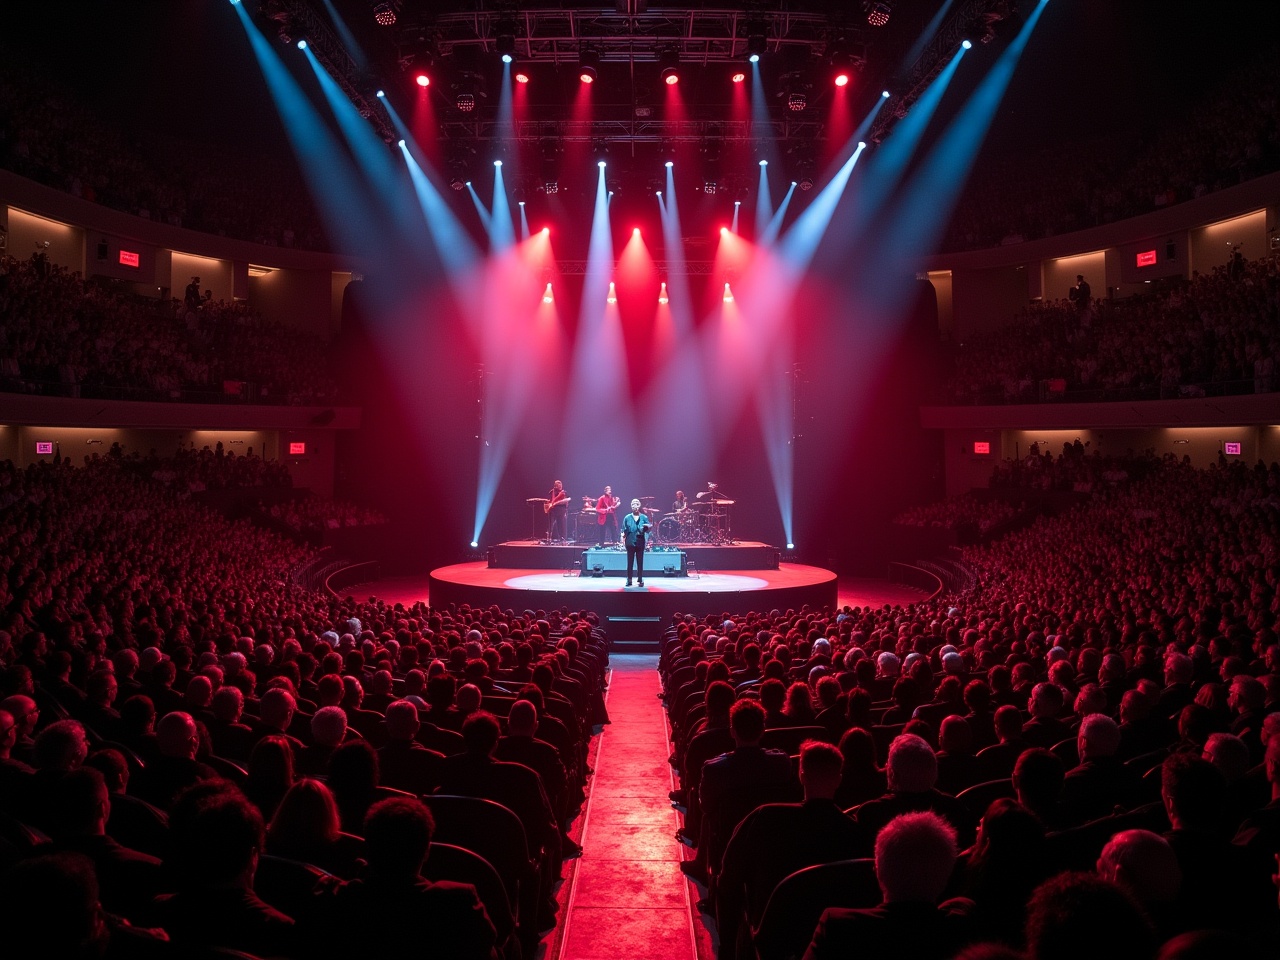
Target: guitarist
(557, 508)
(635, 526)
(607, 517)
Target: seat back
(446, 861)
(488, 830)
(288, 885)
(797, 902)
(790, 738)
(981, 795)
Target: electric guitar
(555, 501)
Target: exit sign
(1147, 258)
(128, 258)
(982, 447)
(297, 449)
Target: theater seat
(981, 795)
(797, 902)
(445, 861)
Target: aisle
(629, 898)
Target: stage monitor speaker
(597, 570)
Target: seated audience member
(231, 738)
(1194, 795)
(957, 766)
(996, 762)
(306, 827)
(1259, 835)
(1230, 755)
(912, 774)
(1037, 781)
(12, 770)
(737, 782)
(1006, 860)
(176, 768)
(216, 842)
(276, 712)
(26, 714)
(777, 839)
(1100, 782)
(328, 732)
(128, 878)
(477, 773)
(520, 745)
(354, 779)
(57, 895)
(1143, 864)
(403, 762)
(915, 854)
(271, 774)
(1046, 727)
(392, 910)
(1076, 915)
(60, 748)
(861, 778)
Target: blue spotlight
(754, 58)
(474, 544)
(302, 44)
(884, 94)
(506, 58)
(669, 164)
(234, 2)
(862, 144)
(497, 163)
(467, 184)
(764, 163)
(794, 184)
(600, 164)
(968, 45)
(381, 94)
(400, 143)
(521, 202)
(790, 546)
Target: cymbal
(722, 503)
(590, 510)
(704, 505)
(702, 493)
(537, 500)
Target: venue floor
(851, 591)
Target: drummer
(681, 504)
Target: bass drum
(668, 529)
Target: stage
(635, 613)
(536, 555)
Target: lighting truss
(634, 130)
(937, 53)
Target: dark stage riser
(530, 555)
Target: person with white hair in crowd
(328, 731)
(912, 775)
(1144, 864)
(915, 855)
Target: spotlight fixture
(302, 44)
(588, 65)
(738, 77)
(662, 293)
(521, 75)
(967, 44)
(547, 295)
(797, 102)
(757, 45)
(764, 163)
(878, 13)
(709, 187)
(842, 77)
(420, 68)
(728, 294)
(422, 79)
(385, 12)
(669, 62)
(466, 102)
(504, 41)
(669, 164)
(884, 94)
(400, 143)
(613, 294)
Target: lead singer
(634, 527)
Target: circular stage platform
(791, 585)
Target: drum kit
(706, 520)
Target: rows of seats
(1213, 333)
(196, 754)
(63, 335)
(1078, 754)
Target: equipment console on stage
(659, 561)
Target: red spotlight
(842, 79)
(723, 231)
(422, 80)
(546, 231)
(521, 77)
(586, 77)
(738, 77)
(670, 76)
(635, 231)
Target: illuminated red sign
(297, 449)
(128, 259)
(1147, 258)
(44, 447)
(982, 447)
(1231, 449)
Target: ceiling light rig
(878, 13)
(588, 65)
(669, 65)
(386, 12)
